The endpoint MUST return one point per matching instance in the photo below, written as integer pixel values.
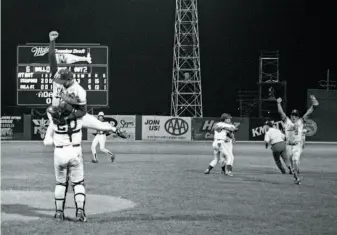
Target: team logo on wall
(41, 126)
(311, 127)
(176, 126)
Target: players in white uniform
(100, 138)
(293, 128)
(60, 91)
(68, 163)
(222, 146)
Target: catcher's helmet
(295, 112)
(225, 116)
(63, 76)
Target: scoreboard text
(89, 65)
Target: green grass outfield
(160, 188)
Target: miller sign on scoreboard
(89, 64)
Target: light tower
(186, 98)
(270, 86)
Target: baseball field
(160, 188)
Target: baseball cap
(63, 76)
(100, 114)
(225, 116)
(295, 112)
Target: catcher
(66, 135)
(65, 88)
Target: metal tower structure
(186, 98)
(270, 86)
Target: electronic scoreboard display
(89, 65)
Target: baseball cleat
(80, 216)
(230, 173)
(94, 161)
(59, 215)
(207, 172)
(297, 181)
(113, 156)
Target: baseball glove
(65, 108)
(55, 112)
(121, 134)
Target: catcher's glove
(120, 133)
(55, 112)
(65, 108)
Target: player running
(67, 89)
(68, 162)
(293, 128)
(100, 138)
(222, 146)
(276, 139)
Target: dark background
(140, 35)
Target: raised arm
(51, 55)
(314, 104)
(280, 109)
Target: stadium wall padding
(322, 127)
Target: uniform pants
(223, 153)
(294, 152)
(99, 139)
(68, 163)
(89, 121)
(279, 150)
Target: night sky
(140, 35)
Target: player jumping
(222, 145)
(67, 89)
(68, 162)
(294, 132)
(100, 138)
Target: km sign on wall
(166, 128)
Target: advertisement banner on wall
(166, 128)
(126, 123)
(202, 128)
(257, 129)
(11, 127)
(40, 124)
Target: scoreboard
(89, 65)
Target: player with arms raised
(293, 128)
(65, 88)
(223, 153)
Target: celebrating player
(100, 139)
(222, 145)
(67, 89)
(294, 131)
(276, 139)
(68, 162)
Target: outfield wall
(164, 128)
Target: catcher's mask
(64, 75)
